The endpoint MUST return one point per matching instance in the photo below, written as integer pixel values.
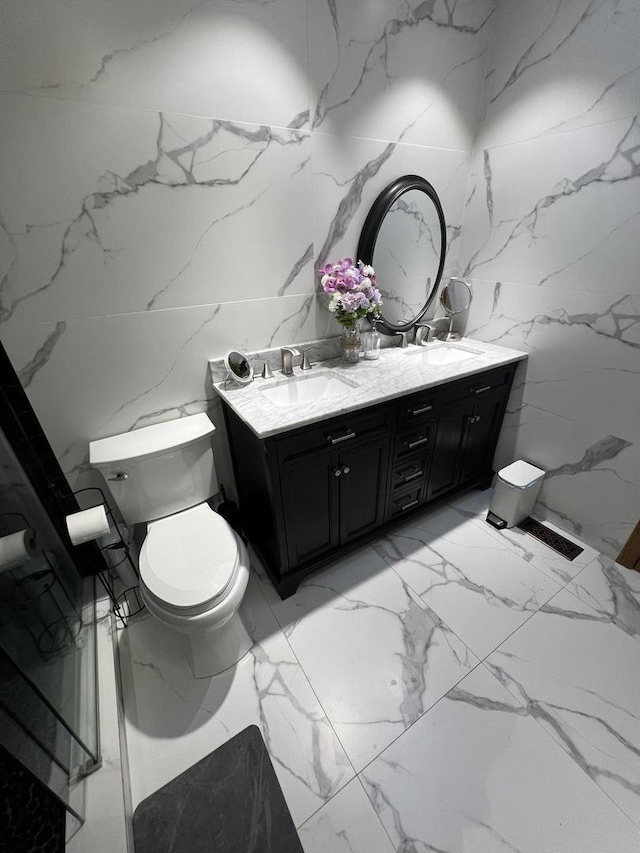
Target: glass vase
(350, 344)
(371, 343)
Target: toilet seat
(189, 561)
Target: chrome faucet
(288, 354)
(425, 332)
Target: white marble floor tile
(476, 774)
(375, 655)
(577, 673)
(476, 583)
(475, 505)
(173, 720)
(346, 824)
(613, 591)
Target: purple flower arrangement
(352, 291)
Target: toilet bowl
(194, 568)
(194, 571)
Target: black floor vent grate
(554, 540)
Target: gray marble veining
(533, 48)
(384, 658)
(612, 591)
(392, 40)
(484, 599)
(436, 788)
(173, 720)
(397, 371)
(578, 696)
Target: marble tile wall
(170, 175)
(550, 243)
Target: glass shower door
(48, 697)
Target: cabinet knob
(337, 472)
(346, 469)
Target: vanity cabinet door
(331, 498)
(448, 448)
(465, 439)
(481, 436)
(310, 500)
(362, 486)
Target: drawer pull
(419, 411)
(344, 437)
(413, 476)
(411, 444)
(481, 389)
(409, 505)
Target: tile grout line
(559, 747)
(321, 706)
(482, 661)
(357, 773)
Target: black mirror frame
(369, 234)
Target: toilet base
(212, 651)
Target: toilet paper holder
(126, 602)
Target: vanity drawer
(415, 409)
(335, 433)
(409, 473)
(405, 501)
(475, 386)
(413, 441)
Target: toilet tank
(157, 470)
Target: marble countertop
(397, 372)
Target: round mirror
(239, 367)
(404, 240)
(455, 298)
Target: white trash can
(515, 492)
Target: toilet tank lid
(150, 440)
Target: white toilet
(194, 568)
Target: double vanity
(329, 457)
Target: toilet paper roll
(87, 524)
(17, 548)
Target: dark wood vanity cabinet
(310, 494)
(332, 498)
(469, 421)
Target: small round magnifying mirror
(455, 298)
(239, 367)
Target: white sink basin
(302, 390)
(439, 354)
